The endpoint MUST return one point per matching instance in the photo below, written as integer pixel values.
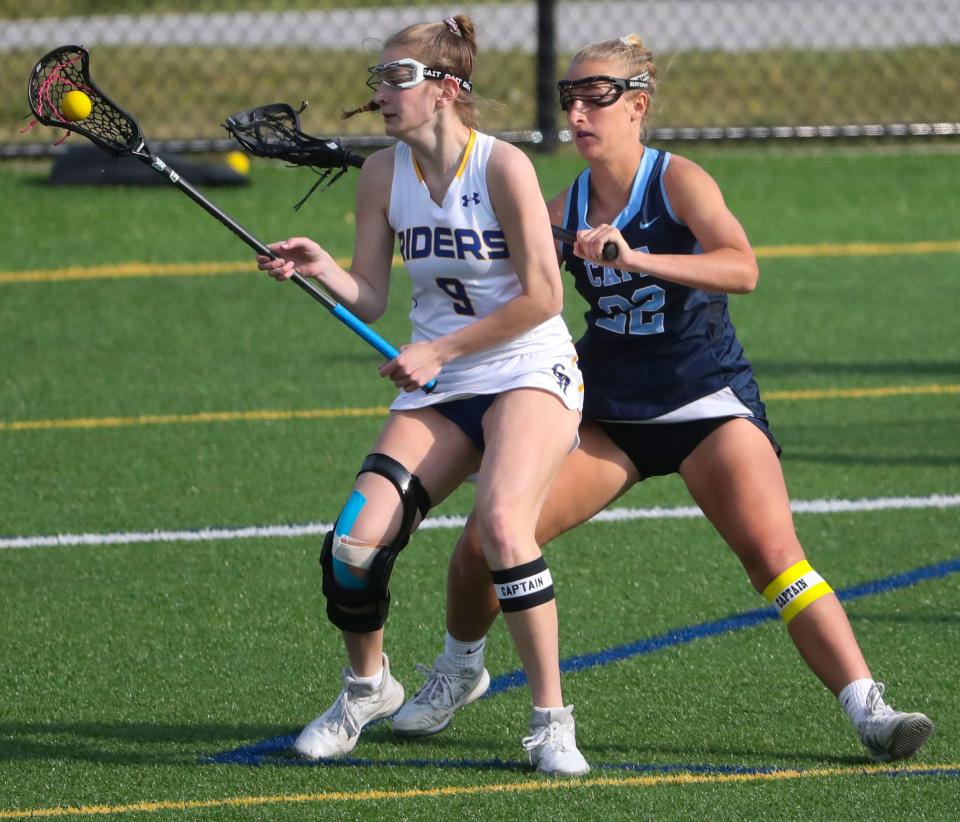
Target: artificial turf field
(175, 430)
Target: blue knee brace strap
(343, 525)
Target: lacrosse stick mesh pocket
(67, 69)
(273, 131)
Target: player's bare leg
(426, 445)
(511, 490)
(736, 479)
(591, 476)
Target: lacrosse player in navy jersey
(473, 230)
(668, 390)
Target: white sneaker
(552, 744)
(890, 734)
(446, 691)
(336, 731)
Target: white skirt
(553, 370)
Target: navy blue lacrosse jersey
(652, 347)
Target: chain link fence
(728, 69)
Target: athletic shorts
(467, 415)
(657, 449)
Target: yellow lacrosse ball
(76, 105)
(238, 161)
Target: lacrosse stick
(273, 131)
(109, 127)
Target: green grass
(122, 666)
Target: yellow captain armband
(795, 589)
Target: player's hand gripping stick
(565, 236)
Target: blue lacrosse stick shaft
(360, 328)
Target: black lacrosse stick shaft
(171, 174)
(346, 317)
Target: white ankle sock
(376, 680)
(465, 654)
(853, 700)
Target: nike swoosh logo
(645, 226)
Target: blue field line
(263, 752)
(254, 755)
(258, 756)
(746, 619)
(950, 773)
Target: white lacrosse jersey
(457, 258)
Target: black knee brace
(364, 610)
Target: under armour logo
(468, 198)
(562, 379)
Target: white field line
(821, 506)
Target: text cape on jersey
(651, 346)
(459, 264)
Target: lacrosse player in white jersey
(466, 211)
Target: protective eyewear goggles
(407, 73)
(599, 89)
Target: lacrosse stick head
(67, 69)
(273, 131)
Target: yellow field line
(134, 270)
(457, 791)
(381, 411)
(860, 393)
(212, 416)
(99, 272)
(856, 249)
(125, 270)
